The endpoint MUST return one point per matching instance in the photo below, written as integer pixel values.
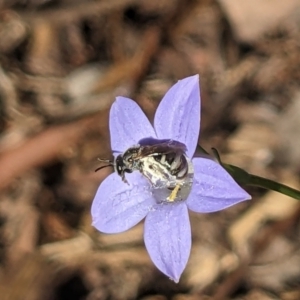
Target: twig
(236, 277)
(42, 148)
(71, 13)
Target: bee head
(122, 165)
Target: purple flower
(119, 206)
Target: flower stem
(273, 185)
(242, 177)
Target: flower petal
(128, 124)
(213, 188)
(167, 237)
(118, 206)
(178, 114)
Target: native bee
(163, 162)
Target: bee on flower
(157, 178)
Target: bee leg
(174, 193)
(124, 179)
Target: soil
(63, 62)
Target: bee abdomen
(175, 163)
(179, 167)
(182, 172)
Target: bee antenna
(111, 165)
(105, 160)
(109, 162)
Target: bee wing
(162, 147)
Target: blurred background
(62, 62)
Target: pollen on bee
(174, 193)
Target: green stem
(244, 178)
(273, 185)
